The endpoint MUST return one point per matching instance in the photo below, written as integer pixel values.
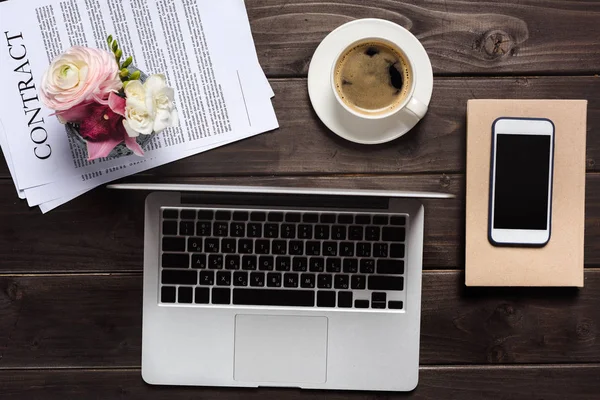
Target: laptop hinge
(285, 200)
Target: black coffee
(372, 77)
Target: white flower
(149, 107)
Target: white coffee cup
(409, 104)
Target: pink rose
(77, 77)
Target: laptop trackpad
(273, 348)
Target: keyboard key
(358, 282)
(334, 265)
(238, 229)
(378, 296)
(232, 262)
(380, 250)
(258, 216)
(398, 220)
(279, 247)
(350, 265)
(274, 297)
(288, 231)
(245, 246)
(345, 299)
(240, 278)
(169, 228)
(293, 217)
(362, 219)
(167, 294)
(367, 266)
(345, 218)
(307, 280)
(283, 263)
(194, 244)
(222, 215)
(300, 264)
(188, 214)
(322, 232)
(228, 246)
(223, 278)
(199, 261)
(254, 230)
(305, 231)
(170, 213)
(317, 264)
(347, 249)
(203, 229)
(184, 295)
(262, 247)
(290, 280)
(338, 232)
(390, 267)
(397, 250)
(221, 296)
(265, 263)
(296, 247)
(273, 279)
(313, 248)
(240, 215)
(201, 295)
(275, 217)
(380, 220)
(310, 218)
(205, 215)
(361, 303)
(324, 281)
(215, 261)
(249, 263)
(363, 249)
(325, 298)
(220, 229)
(378, 282)
(377, 304)
(393, 234)
(257, 279)
(395, 305)
(330, 249)
(175, 277)
(207, 278)
(342, 282)
(372, 233)
(173, 244)
(355, 233)
(175, 260)
(271, 231)
(328, 218)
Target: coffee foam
(372, 77)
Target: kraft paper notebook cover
(560, 262)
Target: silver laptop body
(331, 344)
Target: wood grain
(460, 37)
(91, 321)
(553, 382)
(303, 145)
(102, 230)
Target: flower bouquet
(108, 106)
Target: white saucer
(338, 119)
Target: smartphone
(522, 164)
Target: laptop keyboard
(282, 258)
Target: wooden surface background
(71, 282)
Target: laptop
(282, 287)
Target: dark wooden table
(71, 281)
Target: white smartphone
(522, 163)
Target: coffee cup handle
(416, 107)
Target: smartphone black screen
(521, 184)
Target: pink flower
(103, 128)
(78, 77)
